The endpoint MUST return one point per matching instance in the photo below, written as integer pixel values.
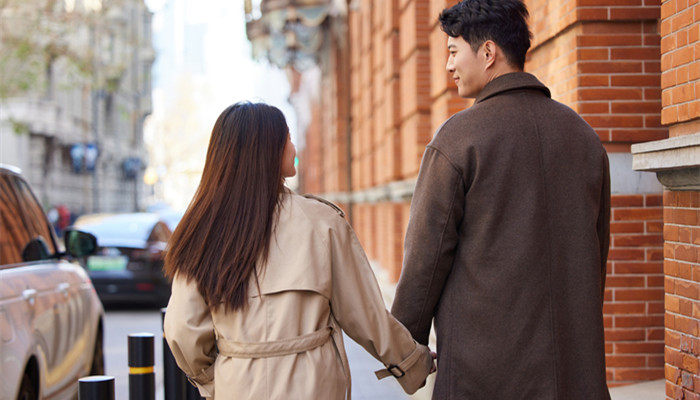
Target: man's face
(466, 67)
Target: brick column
(682, 253)
(676, 161)
(601, 58)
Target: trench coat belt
(276, 348)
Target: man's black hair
(502, 21)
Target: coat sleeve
(189, 331)
(358, 307)
(603, 226)
(432, 236)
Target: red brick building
(676, 161)
(629, 67)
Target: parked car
(128, 264)
(171, 218)
(51, 320)
(169, 215)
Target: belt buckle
(393, 367)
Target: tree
(38, 35)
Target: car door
(72, 307)
(27, 292)
(40, 291)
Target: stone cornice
(398, 192)
(676, 161)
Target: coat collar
(511, 81)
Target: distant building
(77, 132)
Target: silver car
(51, 320)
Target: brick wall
(311, 171)
(634, 307)
(390, 112)
(680, 81)
(333, 137)
(600, 57)
(682, 285)
(609, 72)
(443, 92)
(680, 33)
(414, 74)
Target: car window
(13, 236)
(23, 225)
(38, 225)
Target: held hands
(412, 373)
(433, 368)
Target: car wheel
(27, 391)
(98, 359)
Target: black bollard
(142, 377)
(193, 392)
(97, 387)
(174, 379)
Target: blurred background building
(369, 79)
(75, 88)
(107, 106)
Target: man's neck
(500, 70)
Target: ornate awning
(290, 32)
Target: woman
(264, 280)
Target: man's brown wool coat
(506, 249)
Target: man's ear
(490, 51)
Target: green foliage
(36, 34)
(19, 128)
(19, 68)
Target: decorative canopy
(290, 32)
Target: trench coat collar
(511, 81)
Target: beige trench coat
(287, 343)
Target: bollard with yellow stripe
(141, 370)
(142, 377)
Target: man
(507, 241)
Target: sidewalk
(366, 387)
(653, 390)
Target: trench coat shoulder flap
(299, 255)
(326, 202)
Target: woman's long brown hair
(228, 226)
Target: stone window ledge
(395, 192)
(676, 161)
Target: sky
(205, 65)
(227, 55)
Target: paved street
(118, 326)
